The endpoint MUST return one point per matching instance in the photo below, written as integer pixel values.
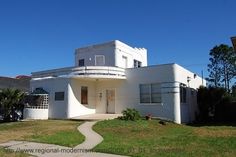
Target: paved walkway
(96, 117)
(91, 137)
(50, 150)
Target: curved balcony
(82, 72)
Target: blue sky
(42, 34)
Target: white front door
(110, 100)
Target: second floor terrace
(96, 72)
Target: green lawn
(151, 139)
(60, 132)
(9, 153)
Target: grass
(60, 132)
(151, 139)
(9, 153)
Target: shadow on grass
(213, 123)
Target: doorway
(110, 100)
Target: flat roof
(113, 43)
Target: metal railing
(37, 107)
(92, 71)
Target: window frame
(104, 60)
(137, 64)
(125, 60)
(150, 94)
(83, 62)
(59, 96)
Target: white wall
(57, 109)
(113, 52)
(127, 93)
(182, 74)
(30, 113)
(128, 96)
(88, 54)
(170, 76)
(75, 107)
(193, 82)
(122, 49)
(101, 87)
(163, 74)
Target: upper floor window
(137, 64)
(81, 62)
(99, 60)
(124, 62)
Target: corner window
(84, 95)
(99, 60)
(150, 93)
(183, 93)
(137, 64)
(59, 96)
(81, 62)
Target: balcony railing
(87, 71)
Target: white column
(69, 90)
(177, 110)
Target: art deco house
(110, 77)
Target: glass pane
(145, 98)
(156, 88)
(145, 88)
(100, 60)
(156, 98)
(81, 62)
(59, 96)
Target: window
(81, 62)
(155, 93)
(59, 96)
(99, 60)
(124, 62)
(137, 64)
(183, 93)
(150, 93)
(84, 95)
(145, 93)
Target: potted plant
(148, 117)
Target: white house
(110, 77)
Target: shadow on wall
(78, 94)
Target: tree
(209, 99)
(234, 92)
(10, 101)
(222, 66)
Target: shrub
(208, 98)
(11, 104)
(213, 104)
(130, 114)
